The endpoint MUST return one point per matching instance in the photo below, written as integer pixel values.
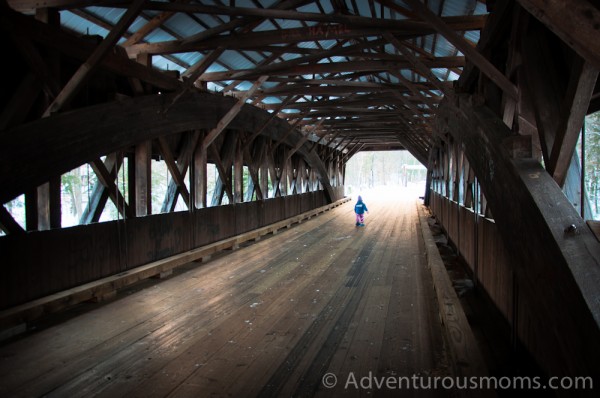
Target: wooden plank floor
(269, 319)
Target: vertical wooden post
(273, 173)
(143, 184)
(253, 156)
(283, 179)
(447, 170)
(52, 57)
(336, 170)
(311, 180)
(294, 175)
(238, 165)
(200, 176)
(131, 188)
(146, 60)
(55, 203)
(224, 162)
(49, 206)
(330, 168)
(300, 169)
(456, 168)
(31, 210)
(264, 172)
(48, 194)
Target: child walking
(360, 208)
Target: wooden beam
(338, 67)
(333, 137)
(88, 67)
(559, 105)
(341, 153)
(331, 89)
(334, 152)
(419, 65)
(38, 64)
(49, 204)
(355, 149)
(543, 87)
(190, 141)
(336, 50)
(392, 5)
(403, 100)
(78, 48)
(174, 169)
(136, 84)
(8, 223)
(254, 163)
(223, 162)
(404, 29)
(70, 139)
(429, 101)
(574, 108)
(321, 138)
(365, 100)
(272, 172)
(264, 170)
(534, 218)
(238, 171)
(284, 174)
(339, 82)
(233, 24)
(15, 111)
(464, 347)
(576, 22)
(142, 179)
(99, 196)
(232, 113)
(28, 6)
(200, 176)
(259, 131)
(195, 71)
(148, 28)
(485, 66)
(304, 139)
(300, 175)
(105, 177)
(31, 210)
(458, 22)
(283, 138)
(119, 49)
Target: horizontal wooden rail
(463, 346)
(16, 318)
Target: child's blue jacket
(360, 207)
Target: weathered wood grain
(263, 320)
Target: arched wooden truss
(506, 211)
(347, 76)
(131, 125)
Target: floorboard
(269, 319)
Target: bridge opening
(385, 172)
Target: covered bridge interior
(276, 97)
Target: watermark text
(420, 382)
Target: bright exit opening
(385, 173)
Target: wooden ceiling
(354, 74)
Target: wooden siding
(41, 263)
(478, 242)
